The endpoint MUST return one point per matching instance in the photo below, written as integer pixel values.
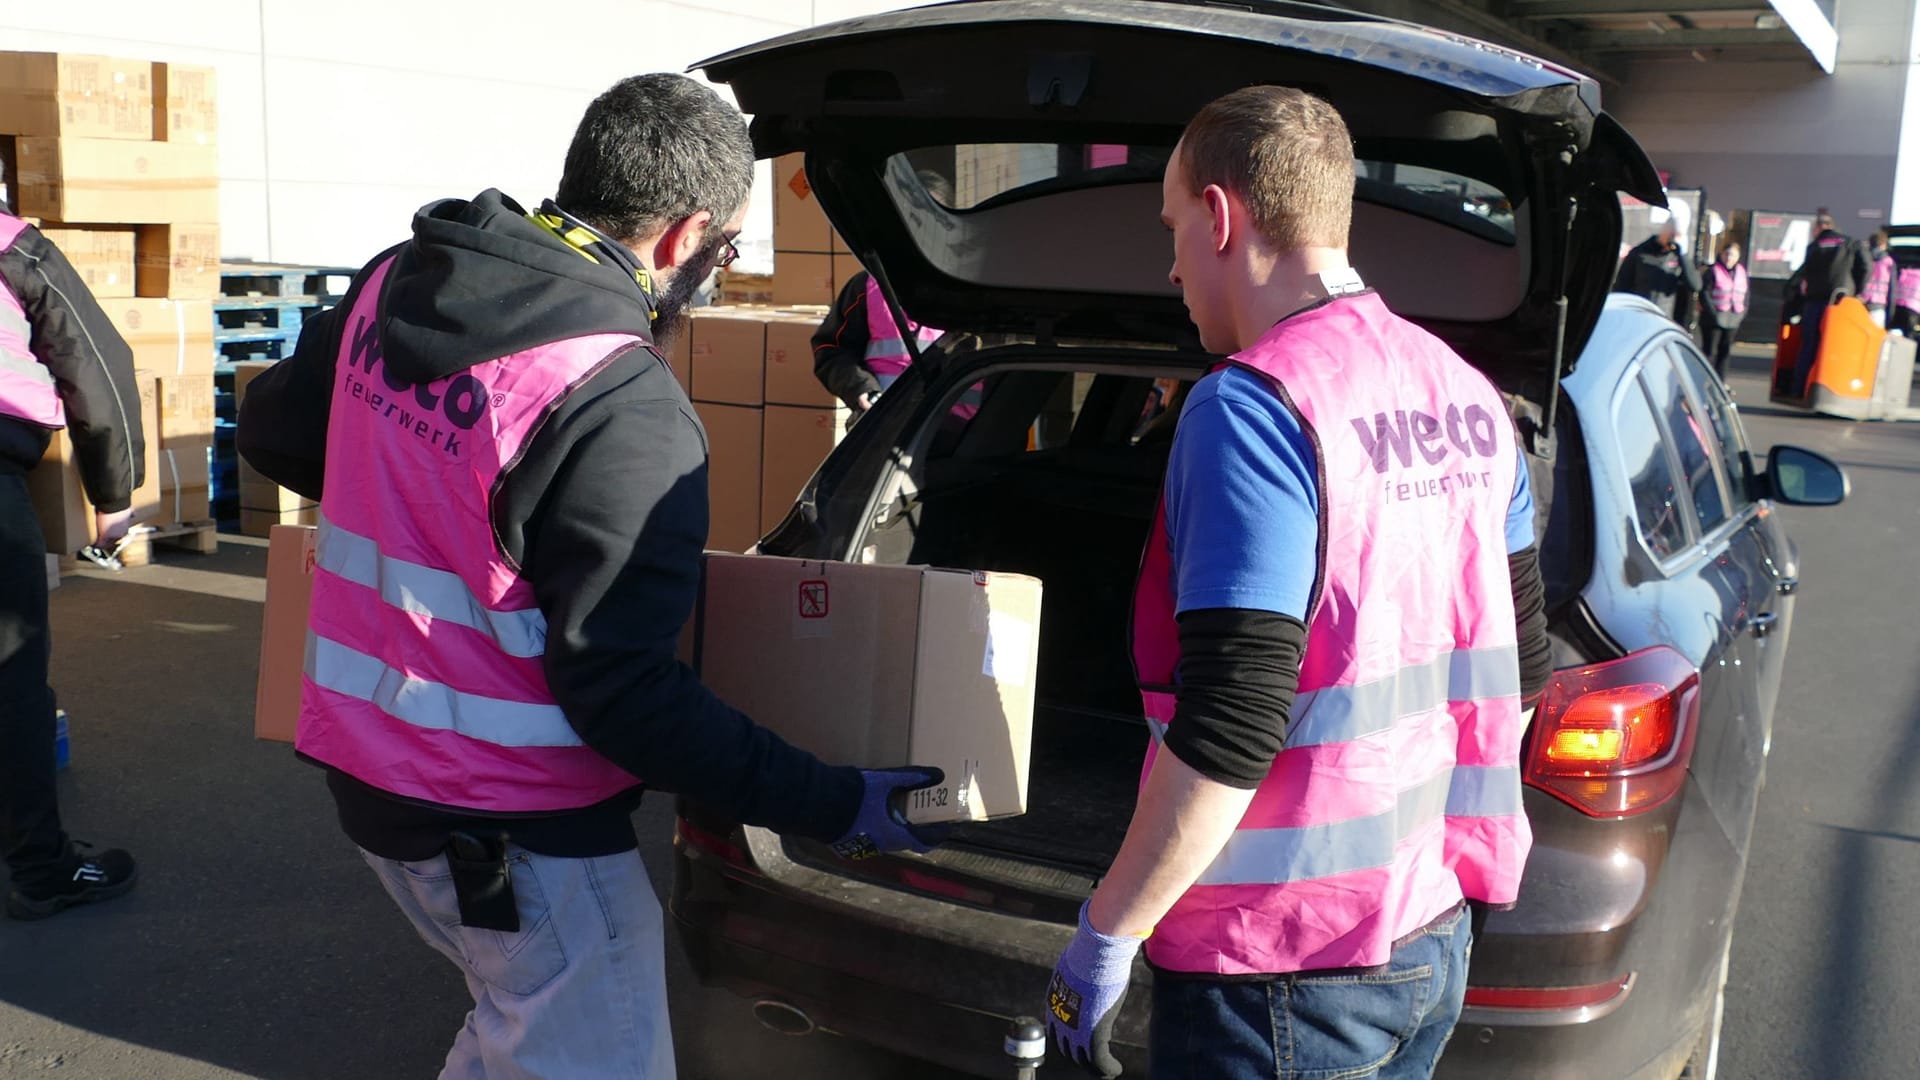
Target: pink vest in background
(423, 672)
(886, 351)
(1398, 790)
(1879, 282)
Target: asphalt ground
(258, 944)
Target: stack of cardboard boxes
(114, 160)
(263, 503)
(810, 262)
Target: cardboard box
(882, 666)
(680, 357)
(103, 256)
(59, 496)
(178, 261)
(790, 379)
(184, 105)
(798, 222)
(729, 348)
(186, 410)
(283, 631)
(735, 289)
(804, 279)
(186, 481)
(75, 95)
(733, 475)
(794, 442)
(115, 181)
(262, 522)
(173, 337)
(244, 372)
(259, 493)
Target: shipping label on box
(186, 409)
(790, 379)
(291, 550)
(180, 261)
(184, 107)
(103, 256)
(733, 474)
(728, 347)
(173, 337)
(116, 181)
(796, 441)
(882, 666)
(75, 95)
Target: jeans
(1376, 1025)
(579, 990)
(30, 834)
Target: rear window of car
(1656, 504)
(970, 176)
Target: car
(997, 165)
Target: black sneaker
(84, 877)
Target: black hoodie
(605, 513)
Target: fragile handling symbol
(813, 599)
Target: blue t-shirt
(1243, 491)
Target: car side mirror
(1800, 477)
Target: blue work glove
(1083, 1000)
(882, 826)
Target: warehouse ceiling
(1600, 36)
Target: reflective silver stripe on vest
(15, 323)
(1335, 714)
(434, 705)
(422, 590)
(1277, 856)
(883, 348)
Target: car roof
(1627, 323)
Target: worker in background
(1880, 272)
(1658, 269)
(1906, 301)
(513, 499)
(859, 350)
(1835, 266)
(62, 365)
(1249, 871)
(1724, 305)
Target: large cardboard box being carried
(74, 94)
(882, 666)
(283, 631)
(116, 181)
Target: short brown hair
(1286, 153)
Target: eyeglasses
(728, 253)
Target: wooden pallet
(195, 536)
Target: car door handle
(1786, 585)
(1761, 623)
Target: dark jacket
(92, 368)
(1836, 265)
(840, 345)
(605, 513)
(1660, 274)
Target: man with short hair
(1345, 515)
(1658, 269)
(513, 493)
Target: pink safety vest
(1906, 289)
(27, 390)
(886, 351)
(1728, 290)
(423, 670)
(1879, 282)
(1397, 792)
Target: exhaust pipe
(777, 1015)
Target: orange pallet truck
(1860, 371)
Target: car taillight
(1614, 739)
(715, 844)
(1550, 998)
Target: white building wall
(338, 120)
